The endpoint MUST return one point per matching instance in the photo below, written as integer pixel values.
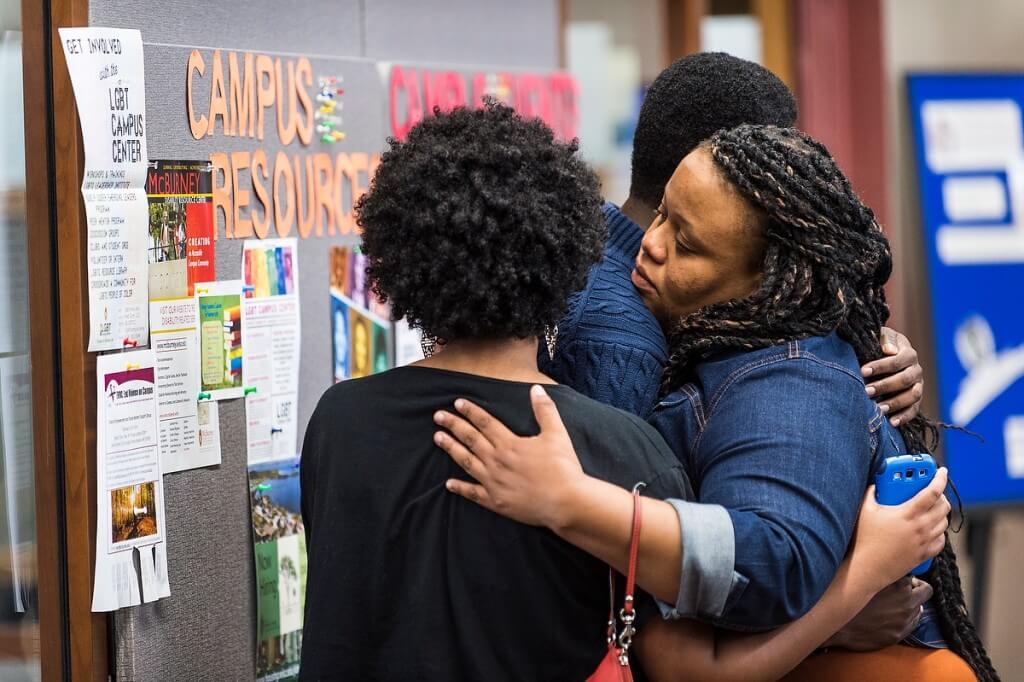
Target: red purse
(614, 667)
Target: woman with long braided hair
(766, 271)
(825, 264)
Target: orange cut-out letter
(243, 96)
(264, 94)
(323, 171)
(218, 99)
(222, 191)
(196, 125)
(261, 225)
(304, 208)
(286, 100)
(284, 195)
(243, 224)
(304, 79)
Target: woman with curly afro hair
(476, 229)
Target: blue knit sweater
(610, 347)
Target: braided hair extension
(825, 263)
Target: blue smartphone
(897, 479)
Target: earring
(551, 338)
(428, 344)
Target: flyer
(108, 79)
(272, 342)
(175, 340)
(18, 486)
(129, 483)
(220, 321)
(181, 224)
(408, 344)
(363, 337)
(280, 553)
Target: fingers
(459, 454)
(545, 411)
(921, 592)
(465, 432)
(906, 415)
(471, 491)
(923, 502)
(904, 359)
(892, 341)
(902, 381)
(492, 429)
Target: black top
(407, 581)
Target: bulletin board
(206, 629)
(969, 135)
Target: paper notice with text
(108, 79)
(129, 483)
(272, 342)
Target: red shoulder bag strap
(615, 665)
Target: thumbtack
(248, 390)
(263, 486)
(203, 395)
(202, 290)
(248, 287)
(130, 366)
(274, 429)
(130, 343)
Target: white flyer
(175, 340)
(108, 78)
(408, 344)
(128, 477)
(272, 343)
(209, 432)
(19, 491)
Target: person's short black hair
(690, 101)
(480, 225)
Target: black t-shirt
(407, 581)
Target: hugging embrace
(710, 339)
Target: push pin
(248, 390)
(129, 343)
(274, 429)
(203, 395)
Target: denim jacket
(784, 441)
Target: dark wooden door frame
(73, 639)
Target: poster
(361, 332)
(181, 221)
(280, 553)
(272, 343)
(175, 341)
(129, 482)
(16, 467)
(969, 138)
(219, 314)
(108, 79)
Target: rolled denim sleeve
(786, 451)
(709, 555)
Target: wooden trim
(49, 537)
(776, 38)
(87, 630)
(682, 27)
(563, 28)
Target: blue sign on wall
(969, 134)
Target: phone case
(900, 478)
